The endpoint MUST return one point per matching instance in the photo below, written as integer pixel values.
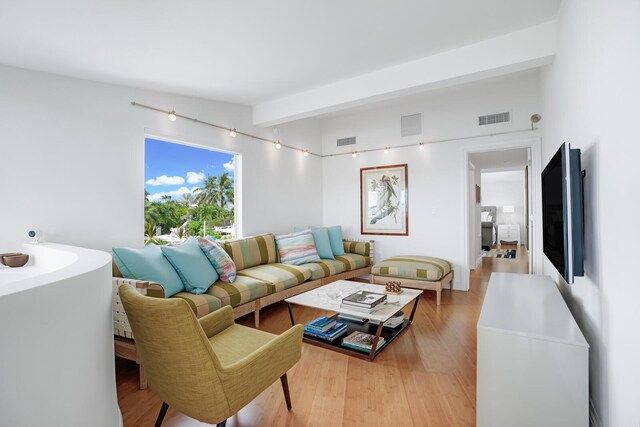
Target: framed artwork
(384, 202)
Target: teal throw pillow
(321, 239)
(335, 239)
(150, 265)
(192, 265)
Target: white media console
(533, 361)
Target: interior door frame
(535, 195)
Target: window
(189, 191)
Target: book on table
(364, 299)
(394, 321)
(321, 324)
(336, 331)
(363, 310)
(361, 341)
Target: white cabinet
(509, 232)
(532, 361)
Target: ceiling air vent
(346, 141)
(411, 125)
(493, 119)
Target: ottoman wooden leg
(142, 376)
(438, 293)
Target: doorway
(501, 207)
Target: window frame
(237, 172)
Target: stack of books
(361, 341)
(325, 328)
(363, 301)
(394, 321)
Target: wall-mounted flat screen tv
(562, 213)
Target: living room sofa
(261, 280)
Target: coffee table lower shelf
(378, 331)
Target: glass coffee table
(329, 298)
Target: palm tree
(207, 194)
(188, 199)
(150, 231)
(151, 212)
(225, 190)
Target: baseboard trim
(594, 418)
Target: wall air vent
(346, 141)
(493, 119)
(411, 125)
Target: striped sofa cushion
(353, 261)
(252, 251)
(202, 304)
(413, 267)
(278, 276)
(324, 268)
(243, 290)
(360, 248)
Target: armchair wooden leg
(163, 412)
(285, 388)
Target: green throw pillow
(148, 264)
(192, 265)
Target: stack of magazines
(363, 301)
(361, 341)
(394, 321)
(325, 328)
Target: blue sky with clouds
(175, 169)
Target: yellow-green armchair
(207, 368)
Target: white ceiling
(245, 51)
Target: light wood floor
(426, 377)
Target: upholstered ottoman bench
(420, 272)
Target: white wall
(436, 174)
(506, 188)
(72, 160)
(590, 97)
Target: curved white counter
(56, 339)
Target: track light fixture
(172, 116)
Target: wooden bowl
(8, 254)
(15, 260)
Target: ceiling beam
(517, 51)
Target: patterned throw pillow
(220, 260)
(321, 240)
(297, 248)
